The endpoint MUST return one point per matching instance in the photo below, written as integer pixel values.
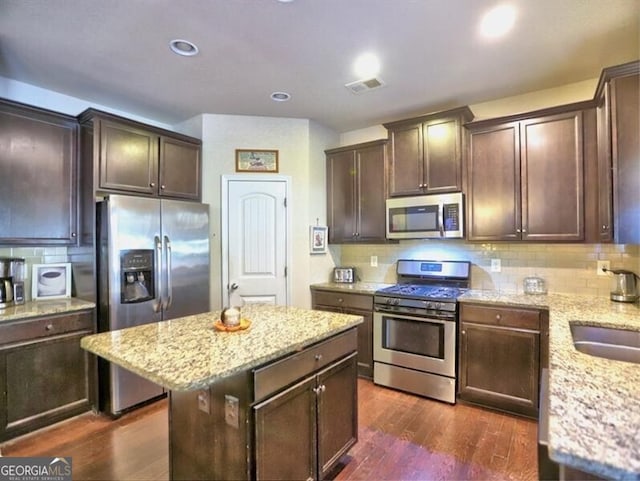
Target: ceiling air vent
(360, 86)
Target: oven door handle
(425, 319)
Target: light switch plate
(374, 261)
(496, 265)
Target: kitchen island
(234, 396)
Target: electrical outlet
(496, 265)
(204, 401)
(602, 265)
(374, 261)
(232, 411)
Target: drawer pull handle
(340, 299)
(49, 327)
(318, 357)
(498, 317)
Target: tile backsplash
(567, 268)
(35, 255)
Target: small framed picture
(51, 281)
(256, 160)
(318, 239)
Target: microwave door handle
(441, 219)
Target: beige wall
(301, 145)
(566, 94)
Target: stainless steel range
(414, 328)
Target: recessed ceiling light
(183, 47)
(498, 21)
(366, 66)
(280, 96)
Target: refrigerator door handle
(167, 243)
(157, 259)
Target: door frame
(225, 180)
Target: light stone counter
(594, 419)
(356, 287)
(44, 308)
(189, 353)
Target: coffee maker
(12, 275)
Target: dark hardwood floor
(401, 437)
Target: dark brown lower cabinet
(359, 305)
(500, 357)
(45, 376)
(320, 413)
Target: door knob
(233, 287)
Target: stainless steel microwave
(433, 216)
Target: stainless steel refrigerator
(153, 265)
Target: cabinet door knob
(162, 186)
(340, 299)
(318, 357)
(518, 230)
(524, 231)
(49, 327)
(73, 234)
(152, 184)
(498, 317)
(464, 332)
(605, 227)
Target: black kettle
(6, 292)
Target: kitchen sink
(607, 342)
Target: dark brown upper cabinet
(425, 153)
(526, 177)
(38, 180)
(618, 107)
(356, 193)
(129, 157)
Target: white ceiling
(115, 53)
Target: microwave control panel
(451, 217)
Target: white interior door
(256, 242)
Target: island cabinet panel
(45, 376)
(292, 418)
(500, 357)
(526, 178)
(38, 180)
(325, 428)
(356, 193)
(426, 153)
(360, 305)
(123, 156)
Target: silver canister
(534, 285)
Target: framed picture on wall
(51, 281)
(318, 239)
(248, 160)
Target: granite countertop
(189, 353)
(44, 308)
(594, 403)
(356, 287)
